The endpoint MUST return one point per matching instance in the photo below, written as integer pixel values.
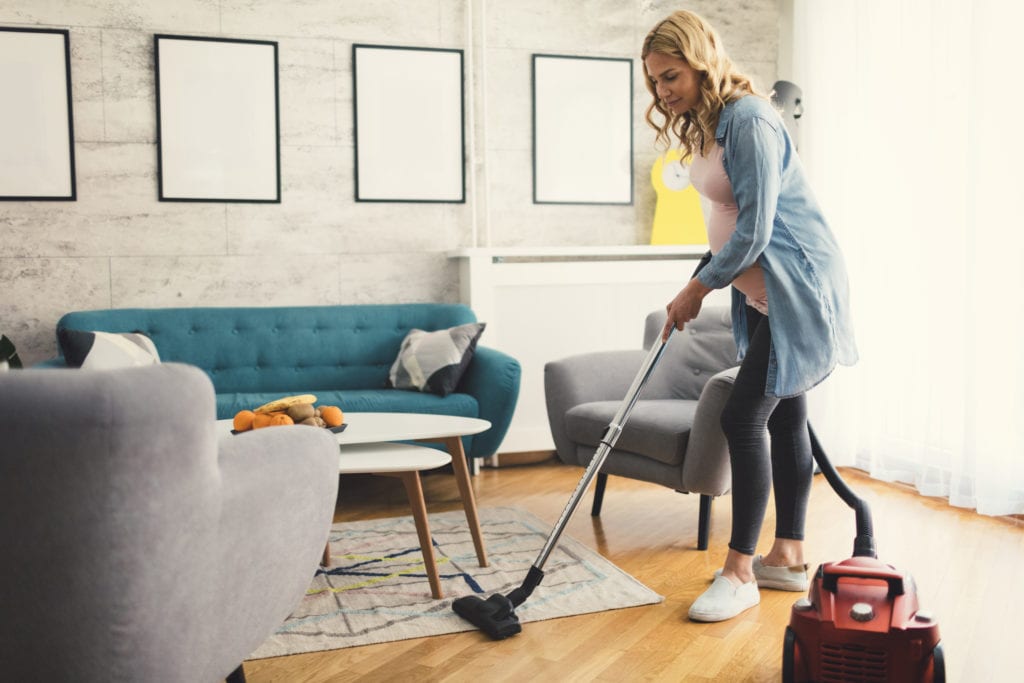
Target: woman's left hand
(685, 306)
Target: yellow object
(678, 217)
(285, 403)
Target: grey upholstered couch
(138, 545)
(673, 436)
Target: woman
(790, 310)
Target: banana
(285, 403)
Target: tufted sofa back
(300, 348)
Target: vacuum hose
(864, 543)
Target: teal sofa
(342, 354)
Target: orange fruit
(261, 420)
(243, 420)
(280, 420)
(332, 415)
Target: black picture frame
(409, 124)
(37, 136)
(218, 119)
(582, 129)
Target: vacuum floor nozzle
(495, 616)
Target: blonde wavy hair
(687, 36)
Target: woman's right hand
(685, 306)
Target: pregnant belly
(751, 283)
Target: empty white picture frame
(37, 140)
(582, 130)
(409, 124)
(218, 123)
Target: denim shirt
(780, 225)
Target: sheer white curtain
(912, 135)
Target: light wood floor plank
(967, 567)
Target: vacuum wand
(496, 615)
(611, 436)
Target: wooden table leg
(414, 489)
(326, 561)
(454, 446)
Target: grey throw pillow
(106, 350)
(435, 361)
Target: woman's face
(676, 83)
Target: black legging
(786, 466)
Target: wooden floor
(967, 568)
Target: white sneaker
(780, 578)
(724, 600)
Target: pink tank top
(708, 175)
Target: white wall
(117, 246)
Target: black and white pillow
(106, 350)
(435, 361)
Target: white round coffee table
(362, 428)
(370, 427)
(366, 441)
(390, 458)
(404, 461)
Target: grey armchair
(673, 437)
(137, 544)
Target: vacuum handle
(830, 578)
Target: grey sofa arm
(138, 545)
(597, 376)
(280, 488)
(705, 470)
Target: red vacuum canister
(861, 622)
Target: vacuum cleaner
(859, 622)
(861, 619)
(496, 615)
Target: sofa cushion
(657, 429)
(363, 401)
(106, 350)
(435, 361)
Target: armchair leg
(602, 481)
(236, 676)
(704, 522)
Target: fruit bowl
(287, 411)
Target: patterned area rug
(377, 591)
